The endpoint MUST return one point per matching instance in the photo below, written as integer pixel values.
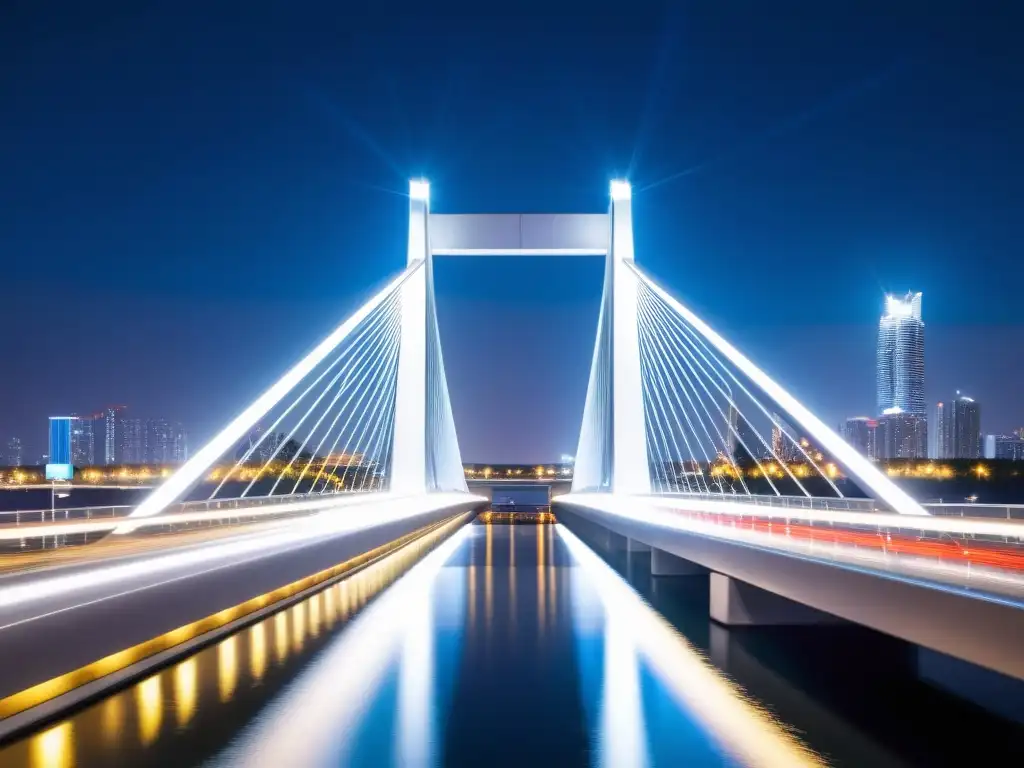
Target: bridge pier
(666, 564)
(737, 603)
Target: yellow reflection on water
(549, 532)
(542, 592)
(512, 578)
(54, 748)
(150, 705)
(489, 580)
(227, 667)
(298, 626)
(186, 680)
(314, 615)
(471, 576)
(112, 719)
(258, 650)
(330, 606)
(281, 636)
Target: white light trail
(361, 513)
(194, 469)
(960, 526)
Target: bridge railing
(789, 502)
(992, 511)
(113, 512)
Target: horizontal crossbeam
(519, 234)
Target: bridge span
(932, 581)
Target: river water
(513, 645)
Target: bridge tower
(612, 451)
(426, 454)
(612, 454)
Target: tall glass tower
(901, 356)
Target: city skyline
(111, 453)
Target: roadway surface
(111, 596)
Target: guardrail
(36, 516)
(845, 504)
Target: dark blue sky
(190, 196)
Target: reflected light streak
(258, 651)
(150, 707)
(549, 533)
(489, 583)
(471, 592)
(54, 748)
(542, 590)
(314, 614)
(415, 733)
(298, 626)
(743, 728)
(512, 580)
(329, 698)
(623, 733)
(227, 667)
(112, 719)
(186, 681)
(281, 636)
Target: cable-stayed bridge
(686, 448)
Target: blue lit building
(900, 370)
(59, 466)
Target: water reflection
(150, 708)
(175, 717)
(186, 679)
(53, 747)
(258, 651)
(227, 667)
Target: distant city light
(621, 190)
(891, 411)
(419, 189)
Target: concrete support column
(632, 545)
(736, 603)
(666, 564)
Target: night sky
(191, 196)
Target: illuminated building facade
(861, 433)
(165, 442)
(111, 422)
(133, 441)
(961, 428)
(14, 452)
(900, 367)
(83, 442)
(1005, 447)
(902, 435)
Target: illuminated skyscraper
(901, 435)
(83, 442)
(133, 441)
(14, 453)
(900, 371)
(165, 442)
(961, 429)
(110, 433)
(860, 432)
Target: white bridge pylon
(613, 449)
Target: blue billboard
(59, 466)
